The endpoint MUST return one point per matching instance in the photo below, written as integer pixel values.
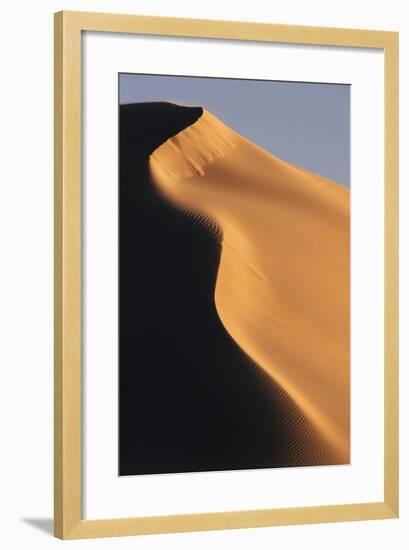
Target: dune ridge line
(291, 228)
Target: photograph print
(234, 274)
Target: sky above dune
(307, 124)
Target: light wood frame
(68, 522)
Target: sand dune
(282, 288)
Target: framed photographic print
(225, 275)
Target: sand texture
(282, 288)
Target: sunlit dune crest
(187, 153)
(282, 289)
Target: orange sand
(282, 288)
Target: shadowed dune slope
(282, 284)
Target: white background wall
(26, 110)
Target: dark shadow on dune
(42, 524)
(190, 400)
